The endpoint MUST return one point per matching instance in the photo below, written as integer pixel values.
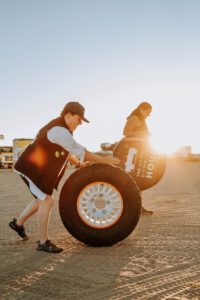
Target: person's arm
(74, 160)
(93, 157)
(62, 137)
(77, 153)
(131, 126)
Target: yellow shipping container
(18, 145)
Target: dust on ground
(159, 260)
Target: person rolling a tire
(42, 164)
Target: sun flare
(164, 146)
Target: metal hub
(100, 205)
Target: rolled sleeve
(62, 137)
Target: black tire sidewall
(131, 205)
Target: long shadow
(80, 272)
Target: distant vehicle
(6, 157)
(19, 145)
(9, 154)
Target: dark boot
(19, 229)
(146, 212)
(48, 246)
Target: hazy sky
(110, 55)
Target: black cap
(75, 108)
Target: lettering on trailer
(150, 167)
(145, 164)
(130, 162)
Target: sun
(159, 144)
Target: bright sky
(110, 55)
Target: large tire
(100, 205)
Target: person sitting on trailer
(136, 127)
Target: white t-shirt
(61, 136)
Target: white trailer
(6, 157)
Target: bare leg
(43, 215)
(144, 210)
(29, 210)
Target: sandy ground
(159, 260)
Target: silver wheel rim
(100, 205)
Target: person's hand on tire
(111, 160)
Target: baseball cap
(75, 108)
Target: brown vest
(42, 161)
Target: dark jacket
(42, 161)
